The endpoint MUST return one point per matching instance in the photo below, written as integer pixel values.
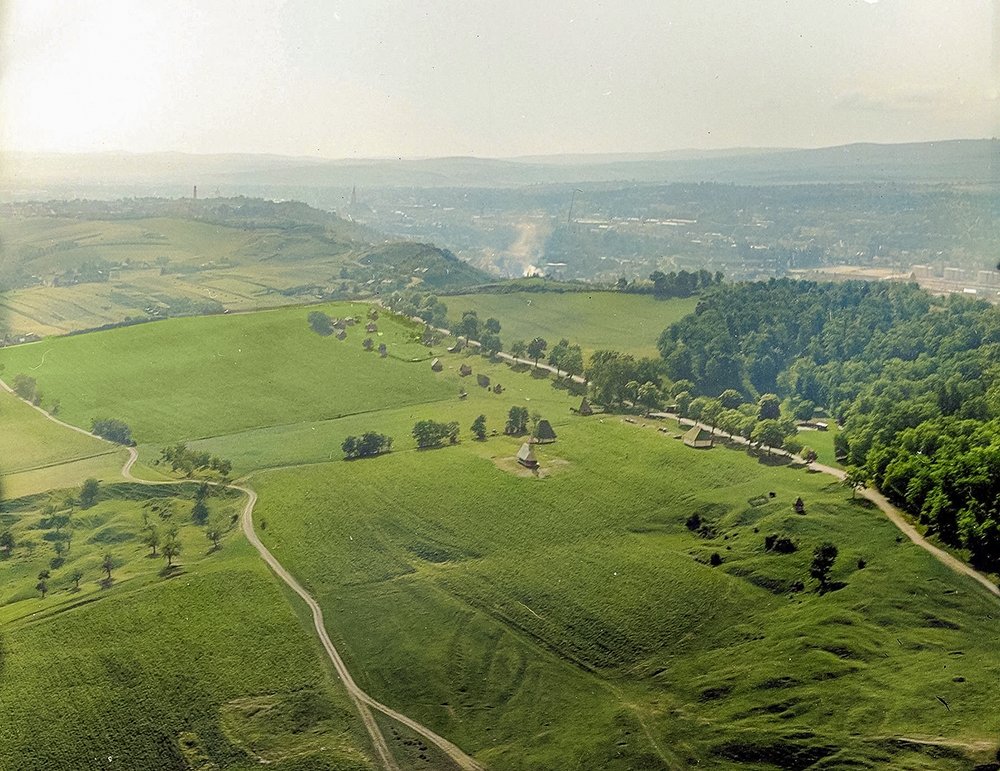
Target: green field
(579, 608)
(84, 264)
(593, 320)
(198, 377)
(205, 664)
(568, 619)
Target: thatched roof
(543, 433)
(464, 370)
(526, 456)
(436, 365)
(585, 408)
(698, 437)
(342, 335)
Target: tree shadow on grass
(771, 460)
(169, 571)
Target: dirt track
(891, 512)
(361, 699)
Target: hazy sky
(469, 77)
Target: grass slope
(569, 620)
(592, 320)
(161, 257)
(573, 621)
(30, 441)
(207, 666)
(196, 377)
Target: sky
(386, 78)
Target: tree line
(914, 380)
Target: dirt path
(899, 520)
(893, 514)
(362, 701)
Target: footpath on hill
(893, 514)
(361, 699)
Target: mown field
(571, 619)
(197, 377)
(593, 320)
(37, 454)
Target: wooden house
(698, 437)
(436, 365)
(543, 433)
(526, 456)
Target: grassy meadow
(197, 377)
(206, 665)
(567, 619)
(577, 617)
(593, 320)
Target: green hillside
(85, 264)
(205, 665)
(197, 377)
(567, 619)
(592, 320)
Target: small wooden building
(698, 437)
(483, 380)
(382, 350)
(585, 408)
(341, 335)
(526, 456)
(465, 370)
(800, 506)
(371, 326)
(543, 433)
(436, 365)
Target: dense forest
(913, 379)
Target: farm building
(698, 437)
(585, 408)
(436, 365)
(382, 350)
(458, 346)
(526, 456)
(339, 324)
(543, 433)
(350, 321)
(483, 380)
(465, 370)
(341, 335)
(814, 425)
(371, 326)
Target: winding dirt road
(362, 701)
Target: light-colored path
(893, 514)
(364, 703)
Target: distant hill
(103, 175)
(81, 264)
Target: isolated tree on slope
(108, 564)
(479, 427)
(88, 493)
(171, 548)
(824, 556)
